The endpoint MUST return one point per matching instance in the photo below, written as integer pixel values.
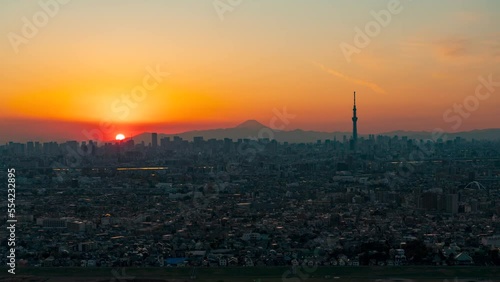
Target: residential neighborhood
(210, 203)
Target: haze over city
(223, 66)
(250, 140)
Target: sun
(120, 137)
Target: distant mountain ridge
(253, 129)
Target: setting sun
(120, 137)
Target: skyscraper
(354, 123)
(30, 148)
(154, 140)
(452, 203)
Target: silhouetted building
(452, 203)
(154, 140)
(30, 148)
(198, 141)
(354, 123)
(228, 145)
(165, 142)
(38, 148)
(429, 201)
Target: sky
(88, 69)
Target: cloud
(452, 47)
(371, 85)
(455, 50)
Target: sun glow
(120, 137)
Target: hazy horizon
(210, 69)
(68, 130)
(250, 140)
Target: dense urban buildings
(381, 200)
(390, 200)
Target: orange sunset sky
(229, 61)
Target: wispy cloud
(371, 85)
(455, 50)
(452, 47)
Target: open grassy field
(258, 274)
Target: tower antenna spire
(354, 123)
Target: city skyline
(246, 140)
(478, 134)
(253, 129)
(210, 68)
